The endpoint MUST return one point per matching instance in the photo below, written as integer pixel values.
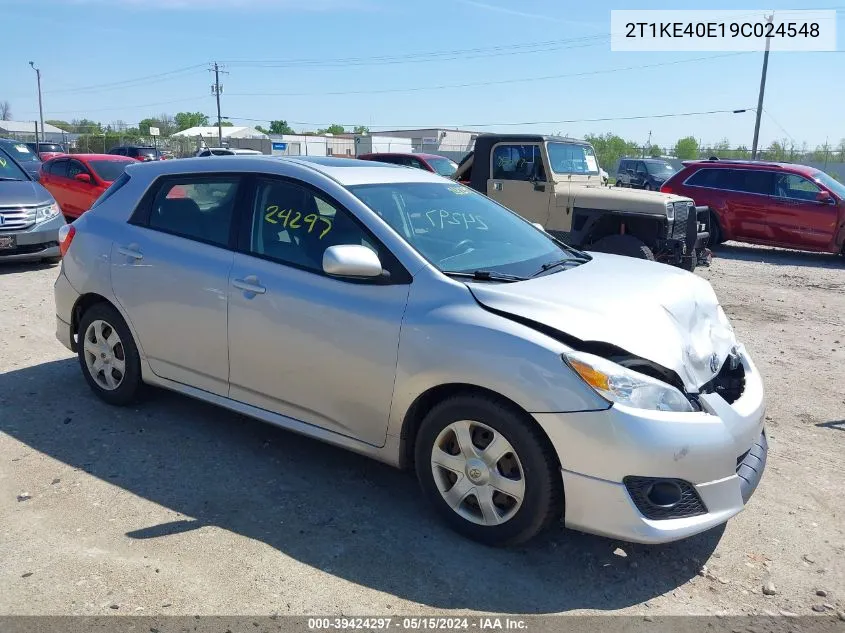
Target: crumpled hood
(662, 314)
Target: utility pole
(216, 89)
(647, 144)
(769, 19)
(40, 108)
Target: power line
(513, 123)
(125, 106)
(123, 83)
(476, 84)
(783, 129)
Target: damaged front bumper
(618, 465)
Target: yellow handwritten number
(271, 211)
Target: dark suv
(137, 152)
(778, 204)
(643, 173)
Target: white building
(210, 133)
(25, 131)
(437, 140)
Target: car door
(56, 182)
(315, 348)
(518, 181)
(796, 217)
(79, 194)
(640, 175)
(749, 203)
(170, 270)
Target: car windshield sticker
(591, 163)
(439, 218)
(290, 219)
(3, 162)
(23, 149)
(460, 191)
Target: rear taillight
(666, 189)
(66, 234)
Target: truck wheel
(690, 262)
(626, 245)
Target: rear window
(108, 170)
(146, 151)
(20, 152)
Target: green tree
(361, 129)
(62, 125)
(654, 151)
(822, 153)
(227, 124)
(85, 126)
(686, 148)
(610, 148)
(335, 128)
(280, 127)
(185, 120)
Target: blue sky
(82, 44)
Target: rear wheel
(488, 470)
(108, 356)
(626, 245)
(715, 232)
(647, 187)
(689, 262)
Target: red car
(777, 204)
(429, 162)
(77, 180)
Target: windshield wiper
(483, 275)
(577, 261)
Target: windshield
(459, 230)
(831, 183)
(572, 158)
(8, 169)
(108, 170)
(148, 151)
(20, 151)
(443, 166)
(660, 169)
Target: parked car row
(418, 321)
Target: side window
(197, 208)
(75, 168)
(415, 162)
(796, 187)
(754, 181)
(59, 169)
(292, 225)
(641, 170)
(205, 153)
(624, 165)
(712, 178)
(517, 162)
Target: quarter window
(518, 162)
(292, 225)
(59, 168)
(200, 208)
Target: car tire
(689, 262)
(108, 355)
(527, 469)
(716, 237)
(647, 187)
(626, 245)
(51, 260)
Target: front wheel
(715, 232)
(488, 471)
(647, 187)
(626, 245)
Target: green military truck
(556, 182)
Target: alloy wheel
(478, 472)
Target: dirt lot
(178, 507)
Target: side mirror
(825, 197)
(351, 260)
(86, 178)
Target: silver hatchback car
(404, 316)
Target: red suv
(427, 162)
(778, 204)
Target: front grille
(27, 249)
(690, 504)
(679, 228)
(729, 382)
(16, 218)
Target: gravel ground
(175, 507)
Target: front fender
(450, 339)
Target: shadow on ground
(10, 268)
(777, 256)
(344, 514)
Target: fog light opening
(664, 494)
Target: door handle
(497, 186)
(249, 284)
(131, 251)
